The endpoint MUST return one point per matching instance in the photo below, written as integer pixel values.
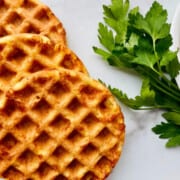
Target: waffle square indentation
(13, 173)
(14, 18)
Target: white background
(144, 156)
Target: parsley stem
(165, 91)
(159, 67)
(156, 107)
(171, 83)
(156, 56)
(161, 86)
(169, 89)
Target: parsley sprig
(142, 43)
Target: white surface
(144, 156)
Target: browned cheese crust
(28, 53)
(30, 16)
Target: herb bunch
(142, 43)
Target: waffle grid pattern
(25, 54)
(41, 142)
(30, 16)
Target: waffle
(72, 128)
(27, 53)
(30, 16)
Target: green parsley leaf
(156, 19)
(168, 131)
(174, 117)
(145, 58)
(167, 58)
(173, 68)
(162, 45)
(154, 23)
(147, 93)
(116, 18)
(173, 142)
(106, 37)
(132, 103)
(146, 98)
(101, 52)
(132, 42)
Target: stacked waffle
(56, 122)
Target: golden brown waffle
(59, 125)
(27, 53)
(30, 16)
